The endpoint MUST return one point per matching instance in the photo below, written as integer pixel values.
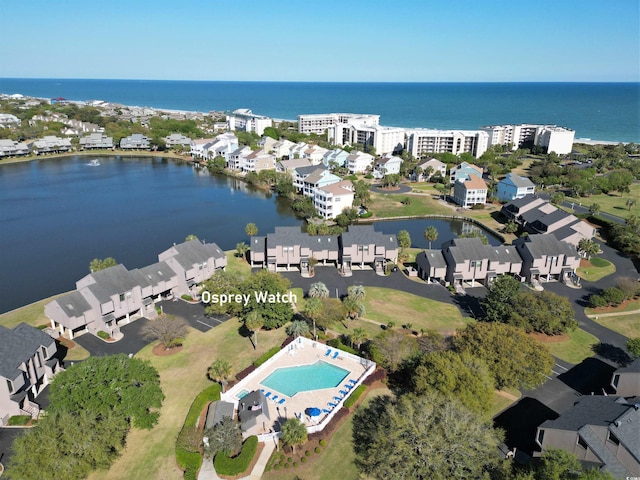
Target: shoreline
(97, 153)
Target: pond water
(56, 215)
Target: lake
(58, 214)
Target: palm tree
(351, 308)
(588, 247)
(294, 433)
(594, 209)
(318, 290)
(358, 335)
(241, 249)
(298, 328)
(431, 235)
(631, 202)
(357, 291)
(220, 371)
(313, 308)
(251, 230)
(254, 322)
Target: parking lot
(193, 314)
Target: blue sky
(330, 40)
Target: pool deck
(301, 352)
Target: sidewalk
(207, 472)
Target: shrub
(286, 465)
(307, 453)
(322, 442)
(225, 465)
(336, 343)
(368, 176)
(317, 449)
(478, 206)
(355, 395)
(266, 356)
(613, 295)
(189, 461)
(366, 215)
(290, 459)
(304, 460)
(277, 466)
(245, 373)
(596, 301)
(42, 327)
(295, 464)
(406, 201)
(19, 420)
(186, 297)
(102, 334)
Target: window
(121, 296)
(363, 248)
(616, 379)
(44, 352)
(582, 442)
(612, 438)
(476, 263)
(540, 437)
(10, 386)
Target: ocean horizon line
(347, 82)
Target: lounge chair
(326, 411)
(348, 386)
(328, 352)
(275, 397)
(267, 395)
(351, 380)
(332, 404)
(335, 355)
(337, 399)
(343, 392)
(281, 401)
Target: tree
(497, 303)
(222, 282)
(588, 247)
(331, 313)
(514, 358)
(254, 322)
(633, 345)
(312, 310)
(241, 249)
(297, 328)
(455, 375)
(352, 308)
(557, 198)
(357, 336)
(318, 290)
(357, 292)
(167, 329)
(97, 264)
(251, 230)
(510, 227)
(394, 347)
(404, 239)
(594, 209)
(474, 234)
(293, 433)
(219, 371)
(422, 437)
(225, 436)
(431, 234)
(544, 312)
(556, 464)
(129, 388)
(630, 203)
(362, 192)
(190, 237)
(65, 445)
(263, 287)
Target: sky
(329, 40)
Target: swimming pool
(317, 376)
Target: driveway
(132, 342)
(193, 314)
(7, 436)
(401, 189)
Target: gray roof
(434, 257)
(217, 411)
(366, 235)
(633, 367)
(111, 281)
(18, 345)
(462, 249)
(248, 414)
(597, 410)
(515, 205)
(541, 245)
(73, 304)
(503, 254)
(305, 171)
(517, 180)
(543, 221)
(294, 236)
(155, 273)
(194, 251)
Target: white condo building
(553, 138)
(318, 123)
(244, 119)
(425, 141)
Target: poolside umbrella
(313, 412)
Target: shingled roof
(18, 345)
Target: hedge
(103, 335)
(225, 465)
(18, 420)
(336, 343)
(190, 461)
(355, 395)
(266, 356)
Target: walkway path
(207, 472)
(613, 314)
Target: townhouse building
(27, 364)
(626, 380)
(307, 179)
(136, 141)
(387, 165)
(96, 140)
(428, 168)
(314, 154)
(337, 157)
(362, 246)
(177, 139)
(281, 149)
(359, 162)
(8, 120)
(237, 157)
(257, 161)
(470, 190)
(432, 266)
(288, 166)
(545, 258)
(297, 150)
(464, 170)
(332, 200)
(50, 144)
(11, 148)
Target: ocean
(599, 111)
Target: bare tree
(167, 329)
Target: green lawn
(627, 325)
(575, 349)
(385, 304)
(598, 268)
(236, 265)
(503, 399)
(337, 460)
(151, 453)
(629, 306)
(613, 203)
(389, 205)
